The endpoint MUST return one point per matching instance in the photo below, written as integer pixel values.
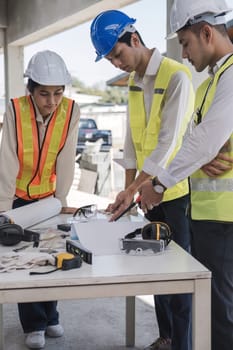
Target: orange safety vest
(37, 166)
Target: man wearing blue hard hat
(160, 106)
(201, 30)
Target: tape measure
(63, 261)
(67, 261)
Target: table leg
(201, 315)
(130, 321)
(1, 328)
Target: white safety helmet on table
(48, 68)
(191, 12)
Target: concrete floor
(93, 324)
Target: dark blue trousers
(174, 311)
(212, 245)
(36, 316)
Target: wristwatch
(158, 187)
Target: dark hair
(196, 28)
(126, 38)
(31, 85)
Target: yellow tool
(67, 261)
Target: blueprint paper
(34, 213)
(103, 238)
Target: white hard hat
(48, 68)
(192, 12)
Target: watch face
(158, 188)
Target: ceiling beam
(43, 19)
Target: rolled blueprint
(34, 213)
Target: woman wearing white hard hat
(201, 30)
(38, 152)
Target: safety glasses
(86, 212)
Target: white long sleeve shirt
(9, 164)
(205, 140)
(174, 110)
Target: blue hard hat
(106, 29)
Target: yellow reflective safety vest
(37, 166)
(145, 135)
(212, 198)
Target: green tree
(115, 95)
(109, 94)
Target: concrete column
(173, 47)
(14, 69)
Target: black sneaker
(160, 344)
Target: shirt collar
(219, 63)
(152, 67)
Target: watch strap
(155, 182)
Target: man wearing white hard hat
(160, 106)
(201, 30)
(37, 158)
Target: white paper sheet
(103, 238)
(34, 213)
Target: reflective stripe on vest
(211, 198)
(145, 136)
(37, 174)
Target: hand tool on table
(63, 261)
(76, 248)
